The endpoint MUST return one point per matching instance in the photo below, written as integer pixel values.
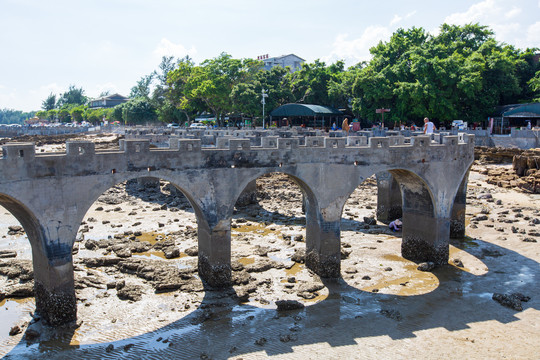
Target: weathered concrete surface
(51, 193)
(388, 198)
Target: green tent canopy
(306, 114)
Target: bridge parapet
(379, 142)
(314, 141)
(288, 143)
(269, 142)
(355, 141)
(20, 151)
(338, 143)
(134, 146)
(239, 144)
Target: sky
(107, 45)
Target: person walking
(429, 127)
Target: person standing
(345, 126)
(429, 127)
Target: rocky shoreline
(135, 258)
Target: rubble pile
(527, 168)
(495, 155)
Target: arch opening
(269, 238)
(370, 249)
(18, 230)
(137, 243)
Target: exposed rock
(130, 292)
(299, 255)
(241, 278)
(370, 220)
(4, 254)
(171, 252)
(15, 230)
(426, 266)
(283, 305)
(15, 330)
(260, 341)
(17, 269)
(513, 301)
(99, 262)
(263, 265)
(391, 314)
(20, 290)
(31, 334)
(192, 251)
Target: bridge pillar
(426, 227)
(388, 198)
(215, 253)
(457, 223)
(54, 288)
(323, 234)
(425, 238)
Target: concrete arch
(26, 218)
(96, 191)
(416, 193)
(310, 197)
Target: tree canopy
(463, 72)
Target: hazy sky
(108, 45)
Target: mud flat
(139, 295)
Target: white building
(292, 61)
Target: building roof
(519, 110)
(304, 110)
(111, 97)
(284, 56)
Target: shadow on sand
(223, 327)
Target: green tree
(42, 114)
(77, 113)
(534, 84)
(49, 103)
(63, 115)
(178, 92)
(138, 111)
(142, 88)
(74, 96)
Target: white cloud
(356, 50)
(500, 16)
(395, 20)
(100, 88)
(479, 12)
(168, 48)
(533, 34)
(513, 13)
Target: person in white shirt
(429, 127)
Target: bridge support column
(425, 238)
(215, 254)
(54, 285)
(323, 235)
(457, 223)
(388, 198)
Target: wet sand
(383, 307)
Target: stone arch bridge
(50, 193)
